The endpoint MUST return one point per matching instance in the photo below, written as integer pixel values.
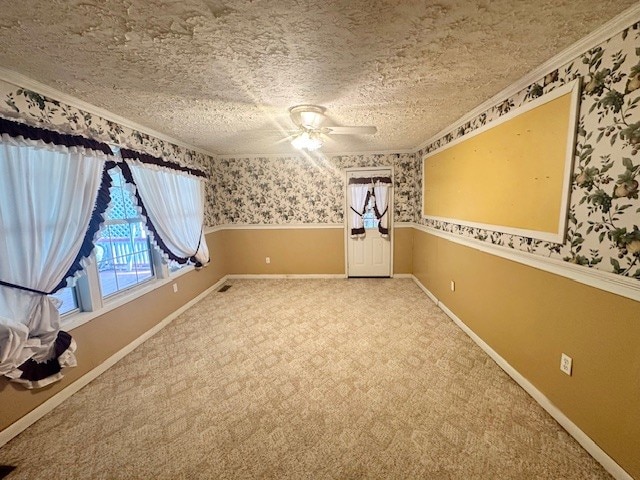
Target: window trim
(92, 303)
(79, 318)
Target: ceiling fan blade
(273, 130)
(288, 138)
(370, 130)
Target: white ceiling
(216, 74)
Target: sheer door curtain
(359, 198)
(360, 191)
(381, 192)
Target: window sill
(76, 319)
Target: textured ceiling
(220, 75)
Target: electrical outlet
(175, 288)
(453, 286)
(565, 363)
(267, 260)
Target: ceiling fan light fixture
(307, 141)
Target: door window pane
(369, 217)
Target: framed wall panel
(513, 174)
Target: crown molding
(22, 81)
(313, 155)
(598, 36)
(606, 31)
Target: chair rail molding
(610, 282)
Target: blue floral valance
(150, 159)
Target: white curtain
(174, 202)
(46, 203)
(381, 192)
(359, 197)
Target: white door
(368, 255)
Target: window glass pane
(116, 178)
(144, 275)
(127, 203)
(123, 245)
(68, 298)
(108, 282)
(369, 217)
(126, 272)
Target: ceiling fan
(311, 132)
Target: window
(121, 255)
(369, 217)
(123, 258)
(68, 298)
(123, 252)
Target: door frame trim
(390, 211)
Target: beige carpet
(303, 379)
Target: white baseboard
(273, 276)
(36, 414)
(582, 438)
(427, 292)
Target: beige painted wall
(300, 251)
(292, 251)
(530, 317)
(103, 336)
(403, 250)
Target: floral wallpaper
(254, 190)
(604, 214)
(24, 105)
(309, 189)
